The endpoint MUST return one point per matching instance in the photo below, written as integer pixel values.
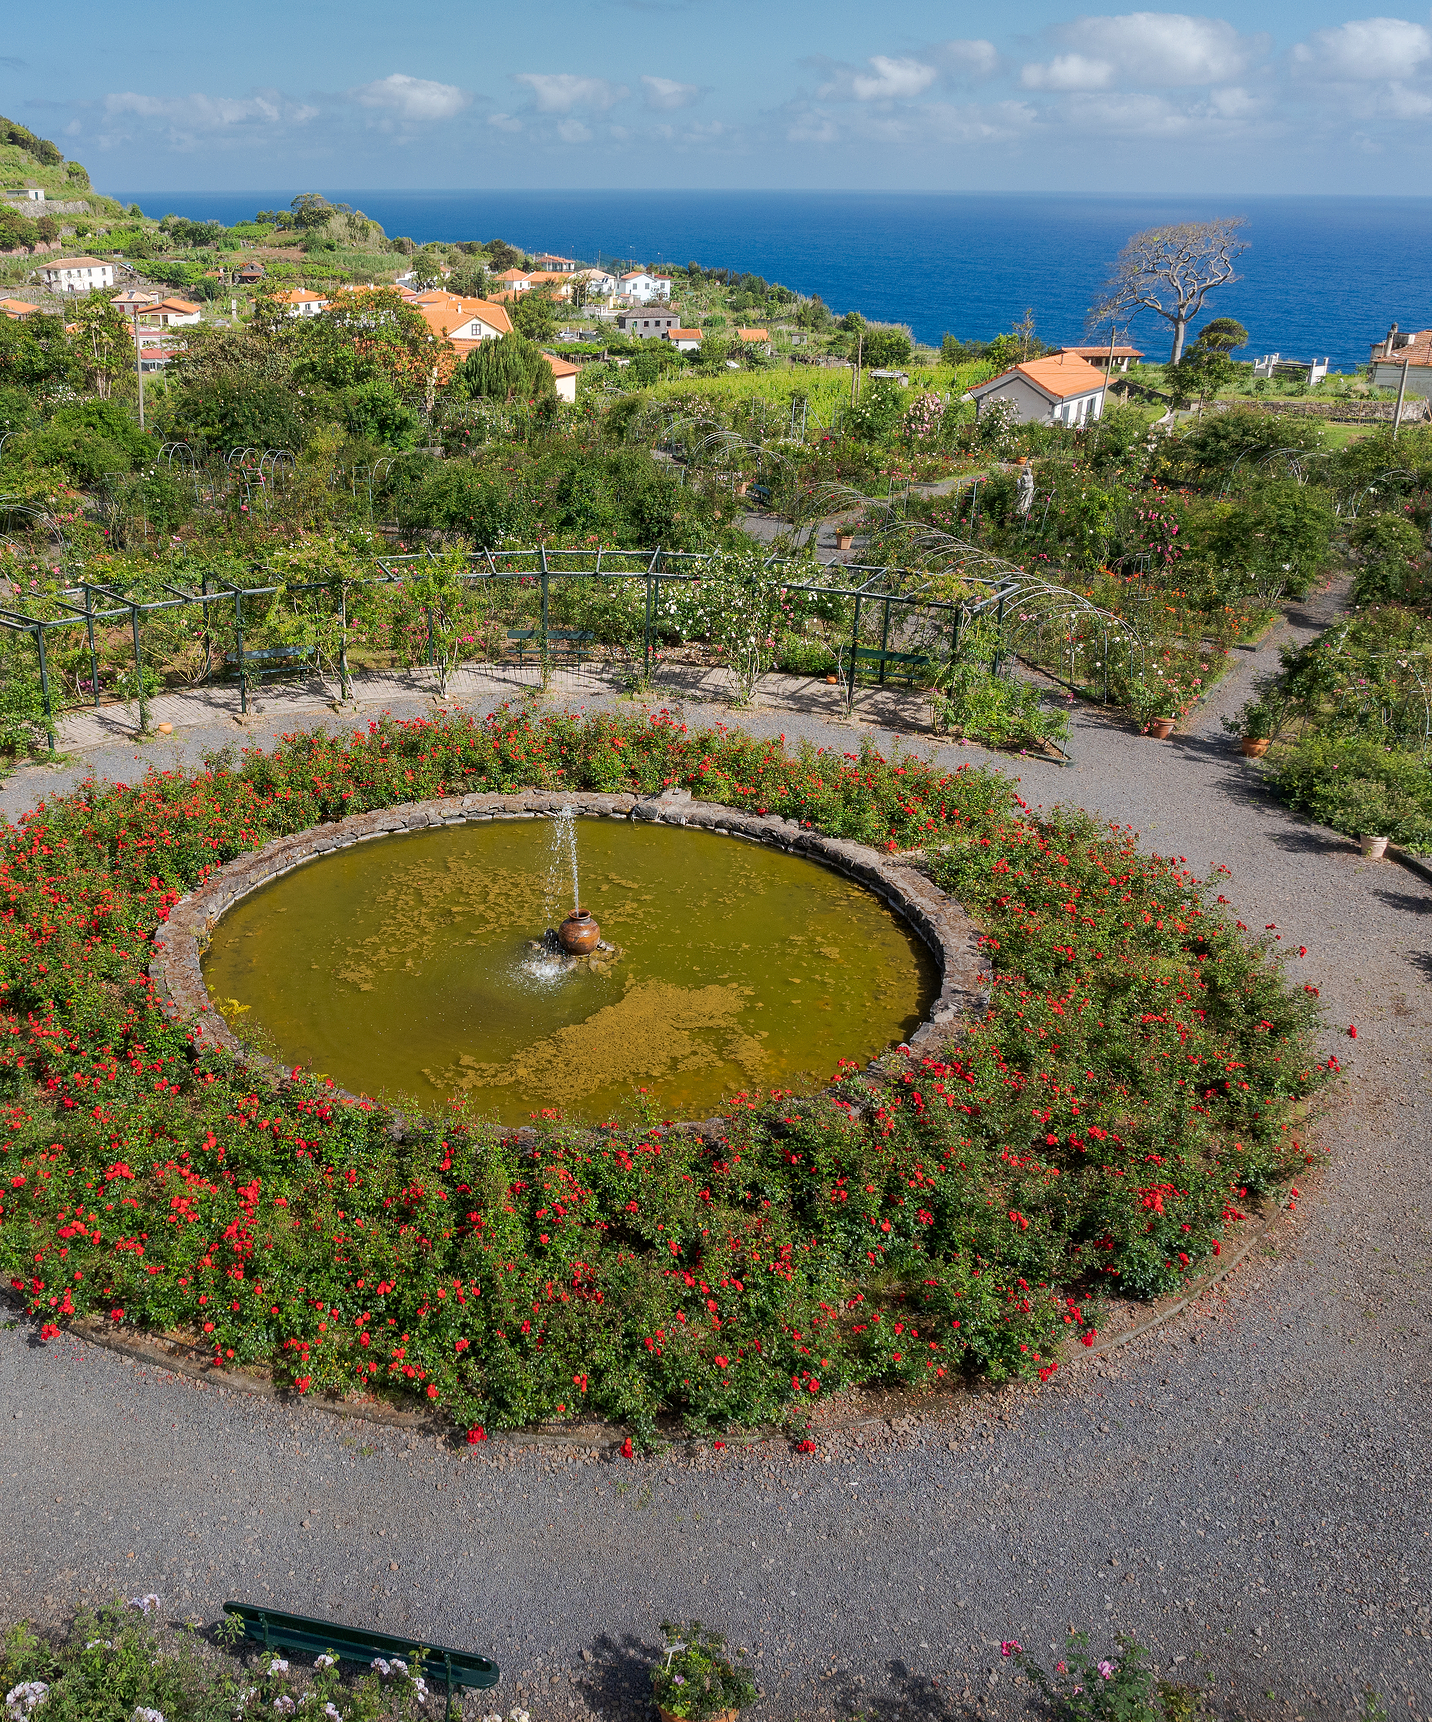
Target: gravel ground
(1245, 1490)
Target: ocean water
(1323, 276)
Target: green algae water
(404, 966)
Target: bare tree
(1170, 270)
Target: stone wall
(180, 942)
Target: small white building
(77, 274)
(1062, 389)
(167, 313)
(1309, 371)
(647, 322)
(684, 340)
(644, 288)
(298, 302)
(34, 194)
(564, 374)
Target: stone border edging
(179, 942)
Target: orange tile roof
(1059, 376)
(77, 263)
(181, 305)
(444, 311)
(754, 334)
(683, 334)
(561, 367)
(298, 296)
(18, 308)
(512, 275)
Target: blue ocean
(1323, 276)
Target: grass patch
(1130, 1088)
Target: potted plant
(844, 537)
(1149, 702)
(696, 1681)
(1256, 726)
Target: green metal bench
(907, 664)
(564, 642)
(272, 662)
(277, 1631)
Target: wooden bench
(903, 663)
(278, 1631)
(272, 662)
(566, 643)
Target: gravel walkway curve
(1248, 1490)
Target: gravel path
(1247, 1490)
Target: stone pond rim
(940, 921)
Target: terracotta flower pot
(843, 540)
(1254, 746)
(1373, 848)
(579, 933)
(1161, 728)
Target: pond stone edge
(180, 942)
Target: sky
(805, 94)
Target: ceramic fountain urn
(579, 934)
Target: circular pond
(407, 966)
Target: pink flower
(1106, 1671)
(1010, 1647)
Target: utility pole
(1401, 396)
(139, 368)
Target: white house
(684, 340)
(564, 374)
(644, 288)
(598, 281)
(77, 274)
(458, 320)
(166, 313)
(298, 302)
(1062, 389)
(646, 322)
(33, 194)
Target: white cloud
(574, 132)
(1068, 72)
(504, 122)
(893, 80)
(666, 95)
(412, 98)
(1162, 48)
(200, 113)
(560, 92)
(1366, 50)
(965, 57)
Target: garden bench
(566, 643)
(271, 662)
(903, 663)
(277, 1631)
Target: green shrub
(1359, 787)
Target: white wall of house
(1035, 407)
(646, 288)
(1387, 374)
(81, 279)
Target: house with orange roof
(684, 340)
(164, 313)
(18, 309)
(299, 302)
(755, 337)
(1060, 389)
(462, 322)
(77, 274)
(1102, 357)
(548, 260)
(564, 374)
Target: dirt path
(1248, 1491)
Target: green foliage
(115, 1666)
(1357, 786)
(375, 410)
(44, 152)
(228, 410)
(1119, 1687)
(698, 1679)
(535, 316)
(1129, 1085)
(1278, 538)
(1392, 559)
(509, 369)
(878, 413)
(886, 349)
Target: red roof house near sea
(1062, 389)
